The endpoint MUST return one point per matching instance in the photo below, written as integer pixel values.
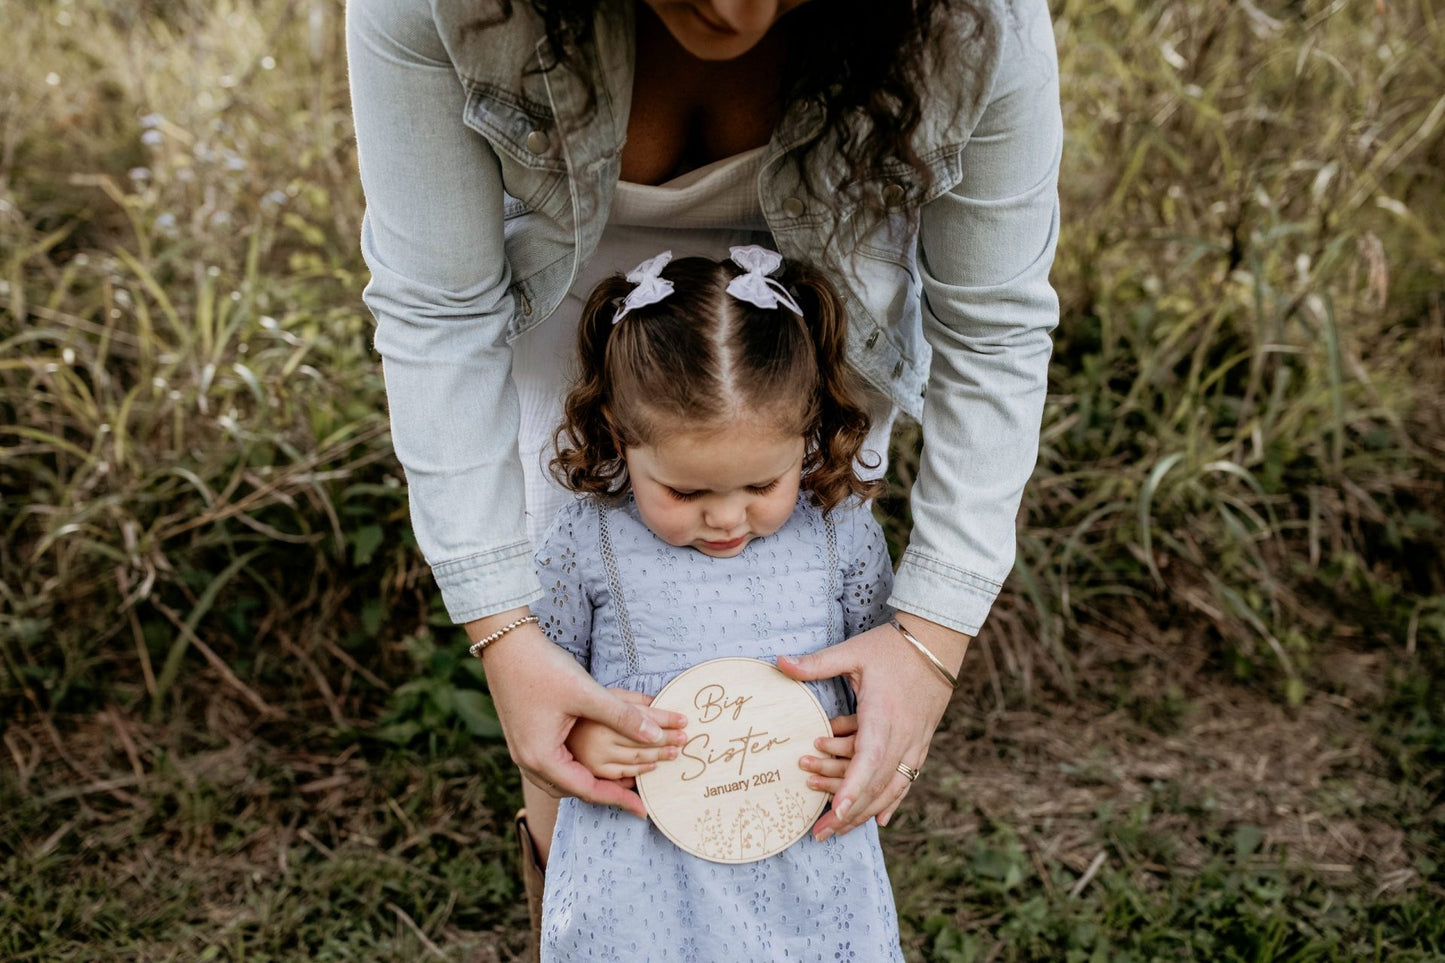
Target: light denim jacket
(489, 181)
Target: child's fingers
(670, 742)
(840, 746)
(645, 755)
(822, 769)
(617, 771)
(823, 784)
(824, 766)
(845, 725)
(625, 750)
(825, 773)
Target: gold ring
(909, 771)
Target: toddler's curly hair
(701, 359)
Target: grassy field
(1206, 721)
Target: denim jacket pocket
(525, 141)
(512, 207)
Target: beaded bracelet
(478, 646)
(908, 636)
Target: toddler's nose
(724, 516)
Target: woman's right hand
(540, 692)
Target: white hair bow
(651, 286)
(755, 287)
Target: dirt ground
(1181, 754)
(1194, 752)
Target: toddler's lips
(725, 546)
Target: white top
(720, 195)
(702, 212)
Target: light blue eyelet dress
(635, 612)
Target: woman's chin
(706, 41)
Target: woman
(512, 154)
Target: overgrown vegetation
(235, 724)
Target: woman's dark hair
(866, 62)
(701, 359)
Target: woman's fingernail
(841, 807)
(823, 835)
(651, 732)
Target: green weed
(448, 696)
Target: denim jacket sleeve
(432, 237)
(988, 312)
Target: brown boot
(532, 880)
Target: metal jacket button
(872, 340)
(893, 195)
(793, 207)
(538, 142)
(898, 369)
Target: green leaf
(1247, 840)
(477, 711)
(364, 543)
(398, 733)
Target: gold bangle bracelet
(477, 647)
(948, 677)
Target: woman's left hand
(901, 698)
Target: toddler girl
(714, 430)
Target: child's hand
(827, 771)
(608, 754)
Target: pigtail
(589, 449)
(841, 422)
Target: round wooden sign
(735, 793)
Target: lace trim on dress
(835, 576)
(614, 585)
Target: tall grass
(195, 454)
(1246, 432)
(1243, 437)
